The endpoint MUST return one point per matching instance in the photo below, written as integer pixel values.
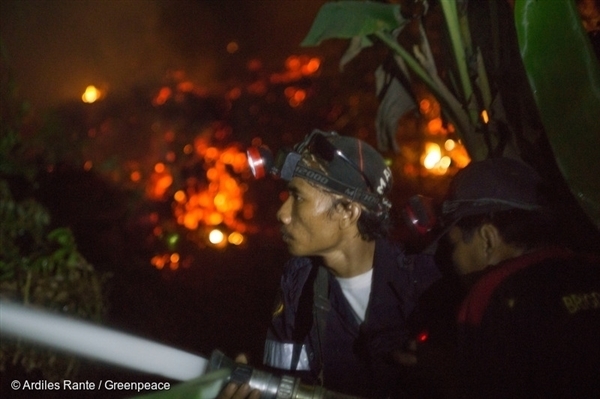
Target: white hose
(100, 343)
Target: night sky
(58, 47)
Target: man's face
(467, 256)
(309, 226)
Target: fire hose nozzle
(270, 385)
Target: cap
(492, 185)
(369, 162)
(351, 167)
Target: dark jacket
(528, 327)
(356, 358)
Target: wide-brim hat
(492, 185)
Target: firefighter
(346, 293)
(521, 311)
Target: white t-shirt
(357, 290)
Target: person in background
(347, 291)
(519, 317)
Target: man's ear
(350, 213)
(495, 248)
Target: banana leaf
(358, 19)
(396, 100)
(564, 75)
(349, 19)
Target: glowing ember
(441, 153)
(159, 182)
(216, 237)
(163, 95)
(484, 116)
(91, 94)
(432, 156)
(425, 106)
(217, 197)
(235, 238)
(296, 68)
(435, 126)
(232, 47)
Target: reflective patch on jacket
(278, 309)
(279, 355)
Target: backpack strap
(321, 307)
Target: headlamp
(260, 160)
(287, 164)
(419, 214)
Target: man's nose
(283, 214)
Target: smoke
(58, 47)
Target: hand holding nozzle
(235, 390)
(246, 382)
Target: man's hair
(518, 227)
(371, 225)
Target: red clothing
(530, 327)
